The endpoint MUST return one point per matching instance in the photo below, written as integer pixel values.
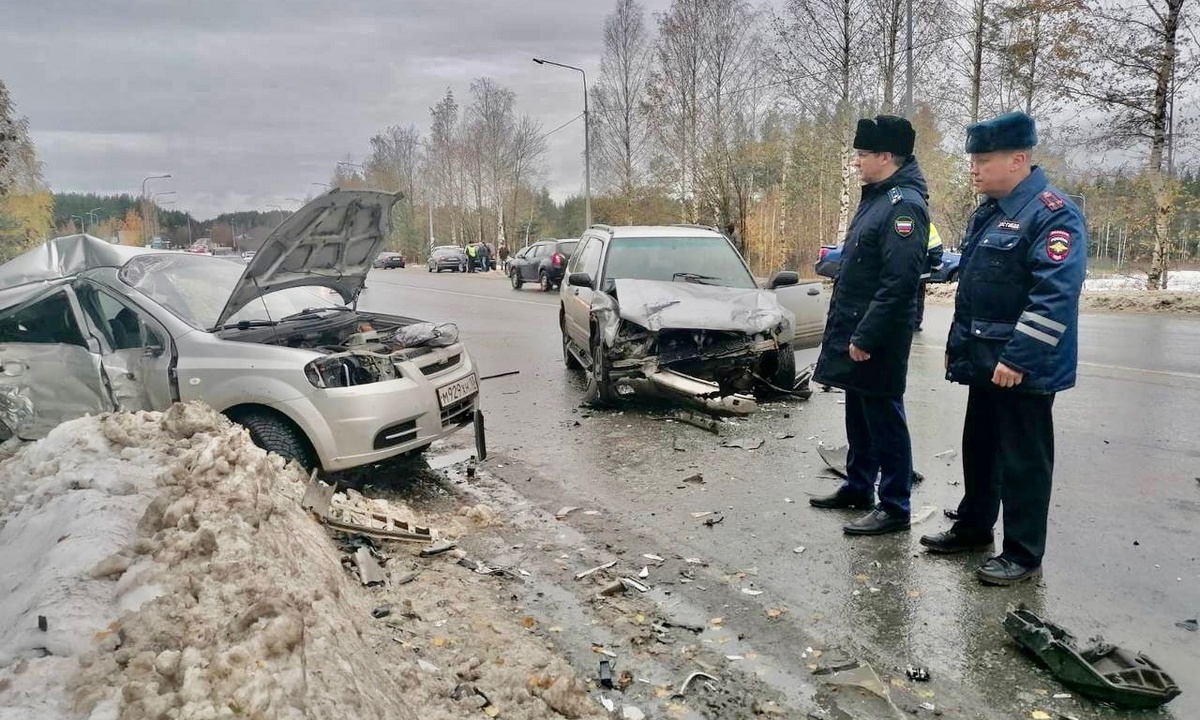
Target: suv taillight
(823, 253)
(557, 259)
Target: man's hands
(858, 354)
(1005, 377)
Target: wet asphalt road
(1123, 546)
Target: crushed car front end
(716, 346)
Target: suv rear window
(665, 258)
(568, 247)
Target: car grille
(444, 365)
(397, 434)
(458, 413)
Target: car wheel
(784, 376)
(275, 433)
(515, 277)
(600, 390)
(544, 282)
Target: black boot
(1004, 572)
(949, 542)
(876, 522)
(842, 500)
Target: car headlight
(349, 369)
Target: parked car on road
(388, 260)
(675, 310)
(448, 257)
(276, 345)
(543, 262)
(829, 260)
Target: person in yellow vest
(933, 261)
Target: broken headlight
(349, 369)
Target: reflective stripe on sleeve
(1036, 334)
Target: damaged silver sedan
(675, 311)
(277, 345)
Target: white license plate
(458, 390)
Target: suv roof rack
(600, 226)
(698, 227)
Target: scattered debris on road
(500, 375)
(746, 443)
(683, 688)
(1191, 625)
(438, 548)
(598, 568)
(917, 674)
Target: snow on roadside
(180, 578)
(1180, 281)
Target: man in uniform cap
(1013, 341)
(868, 333)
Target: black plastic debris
(715, 520)
(381, 612)
(1101, 671)
(438, 548)
(1191, 625)
(43, 625)
(606, 676)
(917, 674)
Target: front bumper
(364, 424)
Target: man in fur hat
(1014, 342)
(868, 333)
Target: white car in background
(277, 344)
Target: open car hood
(657, 305)
(329, 242)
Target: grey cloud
(247, 103)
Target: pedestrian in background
(868, 333)
(933, 261)
(1014, 342)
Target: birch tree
(620, 128)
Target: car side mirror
(784, 278)
(581, 279)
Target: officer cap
(886, 133)
(1010, 131)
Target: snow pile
(1184, 281)
(249, 614)
(179, 578)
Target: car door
(136, 352)
(49, 370)
(577, 301)
(529, 267)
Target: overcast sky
(245, 103)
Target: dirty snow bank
(244, 606)
(1126, 293)
(1178, 281)
(180, 578)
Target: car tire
(515, 278)
(600, 389)
(275, 433)
(784, 376)
(544, 282)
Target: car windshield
(195, 289)
(708, 260)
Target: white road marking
(1103, 366)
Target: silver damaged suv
(277, 344)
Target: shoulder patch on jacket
(895, 195)
(1058, 245)
(904, 226)
(1052, 201)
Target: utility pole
(908, 86)
(587, 142)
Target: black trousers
(920, 304)
(1008, 458)
(880, 446)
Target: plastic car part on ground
(1101, 671)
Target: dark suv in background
(543, 262)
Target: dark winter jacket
(875, 293)
(1023, 264)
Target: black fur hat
(886, 133)
(1010, 131)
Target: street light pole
(587, 141)
(92, 214)
(147, 179)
